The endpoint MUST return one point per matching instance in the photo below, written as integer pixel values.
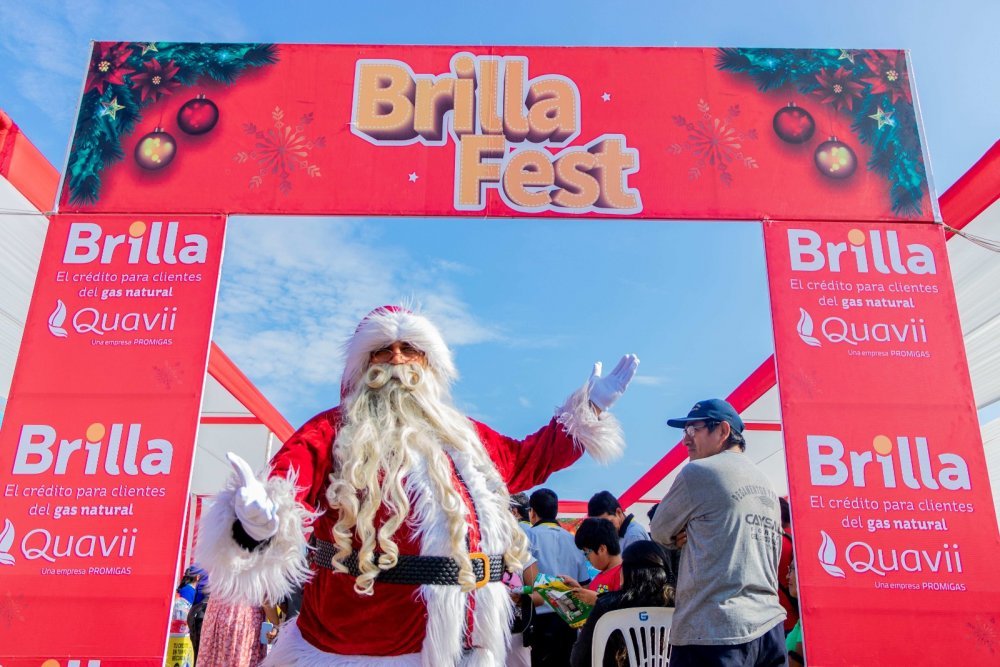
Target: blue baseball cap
(714, 409)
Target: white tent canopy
(235, 416)
(971, 205)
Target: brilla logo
(35, 455)
(831, 465)
(861, 253)
(6, 542)
(87, 242)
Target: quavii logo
(864, 558)
(98, 322)
(809, 252)
(849, 331)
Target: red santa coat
(405, 624)
(393, 621)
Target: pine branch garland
(97, 140)
(896, 152)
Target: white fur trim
(270, 572)
(491, 633)
(601, 436)
(383, 327)
(446, 604)
(446, 618)
(445, 621)
(292, 650)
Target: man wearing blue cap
(723, 512)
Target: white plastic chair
(646, 631)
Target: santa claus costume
(407, 501)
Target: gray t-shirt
(727, 587)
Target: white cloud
(649, 380)
(45, 44)
(294, 289)
(452, 266)
(524, 401)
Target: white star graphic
(413, 177)
(606, 97)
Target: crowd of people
(611, 563)
(392, 514)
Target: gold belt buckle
(479, 555)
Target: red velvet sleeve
(309, 452)
(529, 462)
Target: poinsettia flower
(889, 75)
(108, 66)
(838, 88)
(156, 79)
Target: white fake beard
(398, 414)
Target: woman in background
(644, 584)
(793, 642)
(230, 636)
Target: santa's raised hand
(605, 391)
(252, 506)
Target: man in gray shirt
(724, 512)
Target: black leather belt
(416, 570)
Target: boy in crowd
(598, 540)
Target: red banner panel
(895, 530)
(498, 131)
(98, 437)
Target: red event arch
(886, 470)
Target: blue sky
(528, 305)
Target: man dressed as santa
(408, 504)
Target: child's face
(599, 559)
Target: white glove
(604, 391)
(253, 508)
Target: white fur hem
(292, 650)
(446, 622)
(601, 436)
(267, 574)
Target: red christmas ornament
(155, 150)
(794, 124)
(198, 115)
(835, 159)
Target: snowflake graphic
(281, 150)
(984, 630)
(714, 142)
(168, 374)
(11, 610)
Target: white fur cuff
(271, 571)
(601, 436)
